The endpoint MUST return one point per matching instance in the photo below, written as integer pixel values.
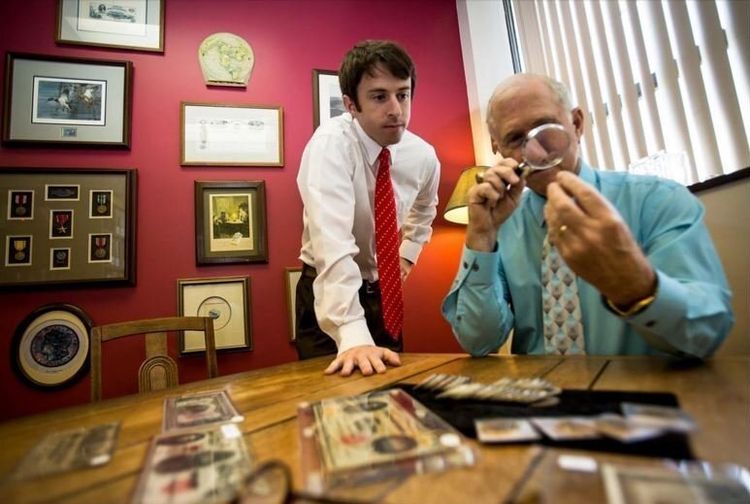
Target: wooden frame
(327, 100)
(230, 222)
(291, 277)
(50, 348)
(224, 299)
(61, 101)
(213, 134)
(62, 226)
(139, 25)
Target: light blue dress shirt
(498, 291)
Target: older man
(587, 261)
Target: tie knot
(385, 157)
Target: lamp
(455, 210)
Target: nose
(394, 106)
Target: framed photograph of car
(60, 100)
(130, 24)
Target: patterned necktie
(386, 247)
(563, 330)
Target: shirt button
(458, 318)
(475, 267)
(466, 265)
(651, 323)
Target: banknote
(70, 449)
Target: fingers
(391, 357)
(368, 359)
(586, 197)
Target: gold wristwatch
(636, 307)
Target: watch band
(635, 308)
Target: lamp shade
(456, 209)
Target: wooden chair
(159, 370)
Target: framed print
(51, 346)
(291, 277)
(327, 100)
(224, 299)
(130, 24)
(231, 135)
(230, 222)
(57, 100)
(76, 226)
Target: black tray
(460, 413)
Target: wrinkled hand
(595, 242)
(368, 358)
(491, 202)
(406, 266)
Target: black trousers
(313, 342)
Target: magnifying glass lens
(545, 146)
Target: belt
(310, 272)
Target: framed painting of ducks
(61, 100)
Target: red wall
(289, 39)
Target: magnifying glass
(544, 147)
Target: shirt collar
(372, 148)
(537, 202)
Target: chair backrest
(159, 370)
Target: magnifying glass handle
(522, 170)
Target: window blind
(664, 84)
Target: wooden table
(715, 393)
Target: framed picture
(230, 222)
(231, 135)
(227, 301)
(51, 346)
(56, 100)
(131, 24)
(291, 277)
(327, 100)
(63, 226)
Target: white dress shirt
(337, 183)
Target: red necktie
(386, 247)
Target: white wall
(728, 221)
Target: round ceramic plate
(51, 345)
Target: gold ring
(479, 177)
(562, 229)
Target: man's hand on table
(368, 358)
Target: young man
(587, 261)
(369, 189)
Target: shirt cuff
(410, 250)
(477, 267)
(354, 334)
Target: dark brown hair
(368, 54)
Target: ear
(349, 105)
(578, 120)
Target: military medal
(19, 246)
(61, 220)
(20, 200)
(101, 200)
(101, 243)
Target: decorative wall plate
(51, 346)
(226, 60)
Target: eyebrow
(537, 122)
(383, 90)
